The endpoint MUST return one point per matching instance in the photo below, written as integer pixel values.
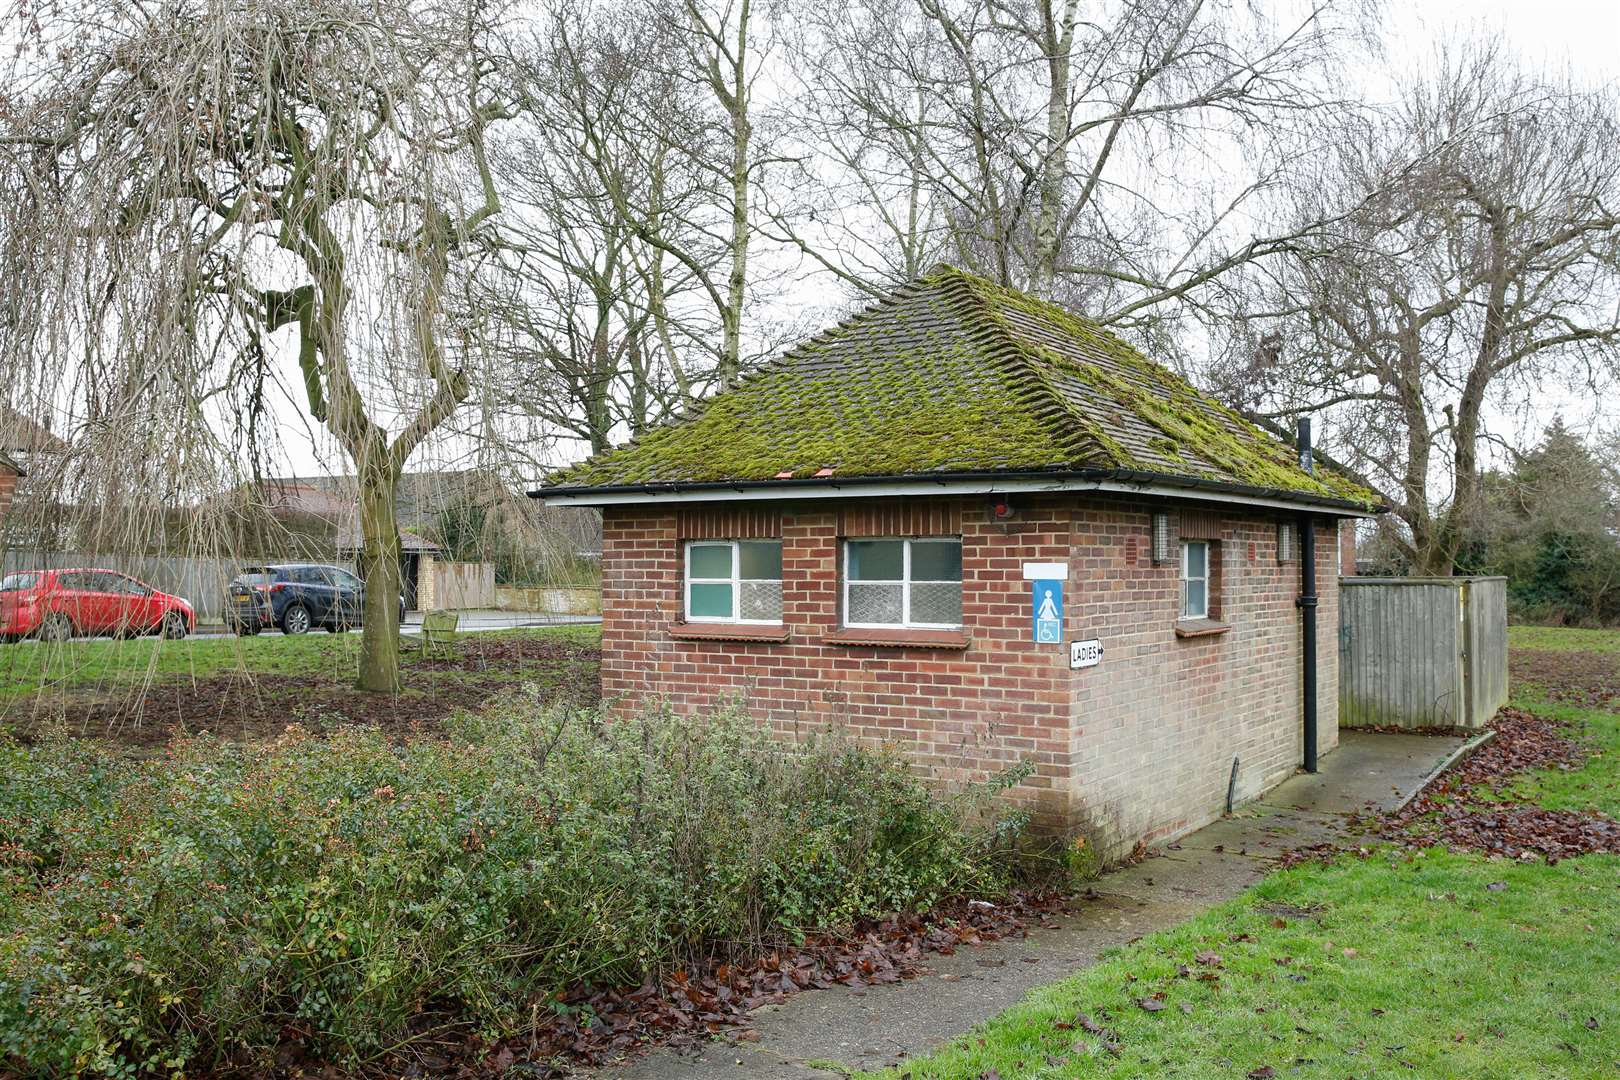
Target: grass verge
(1563, 639)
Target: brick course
(1138, 747)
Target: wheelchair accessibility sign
(1046, 600)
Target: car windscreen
(18, 582)
(255, 575)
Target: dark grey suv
(296, 597)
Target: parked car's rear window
(256, 575)
(18, 582)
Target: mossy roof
(954, 374)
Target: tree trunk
(1057, 36)
(741, 133)
(379, 568)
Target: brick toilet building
(970, 525)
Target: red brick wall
(1126, 749)
(961, 714)
(1347, 549)
(8, 490)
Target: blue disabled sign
(1047, 606)
(1046, 600)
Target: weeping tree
(225, 216)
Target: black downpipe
(1307, 603)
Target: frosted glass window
(903, 583)
(1195, 579)
(734, 581)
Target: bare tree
(673, 145)
(1111, 157)
(1476, 264)
(601, 330)
(196, 187)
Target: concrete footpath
(880, 1025)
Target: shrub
(191, 911)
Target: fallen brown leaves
(1473, 805)
(587, 1026)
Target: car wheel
(55, 627)
(295, 620)
(174, 626)
(242, 629)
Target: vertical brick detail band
(901, 517)
(729, 523)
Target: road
(471, 622)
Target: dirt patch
(251, 707)
(1292, 911)
(1589, 680)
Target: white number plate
(1085, 653)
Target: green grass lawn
(1578, 665)
(1563, 639)
(1396, 965)
(79, 665)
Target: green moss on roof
(950, 374)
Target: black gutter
(1124, 476)
(1307, 605)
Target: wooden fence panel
(1421, 652)
(1485, 610)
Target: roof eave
(992, 480)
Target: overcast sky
(1581, 34)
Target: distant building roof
(420, 498)
(349, 539)
(286, 495)
(953, 375)
(21, 435)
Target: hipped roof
(952, 375)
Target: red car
(58, 604)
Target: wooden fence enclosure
(1422, 652)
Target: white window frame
(905, 583)
(735, 581)
(1186, 547)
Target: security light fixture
(1285, 541)
(1161, 537)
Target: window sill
(1191, 628)
(899, 639)
(687, 631)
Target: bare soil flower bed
(244, 707)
